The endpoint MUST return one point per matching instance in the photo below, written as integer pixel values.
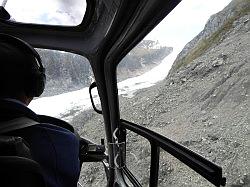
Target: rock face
(146, 55)
(203, 104)
(214, 32)
(68, 72)
(65, 72)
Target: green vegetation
(202, 46)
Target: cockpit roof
(105, 26)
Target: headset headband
(25, 46)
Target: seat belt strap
(15, 124)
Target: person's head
(22, 75)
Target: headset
(35, 80)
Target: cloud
(74, 9)
(58, 12)
(69, 4)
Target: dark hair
(19, 67)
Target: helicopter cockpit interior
(102, 33)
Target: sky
(185, 22)
(54, 12)
(178, 28)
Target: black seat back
(20, 171)
(16, 165)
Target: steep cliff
(214, 32)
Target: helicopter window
(57, 12)
(138, 158)
(177, 102)
(171, 170)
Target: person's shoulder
(52, 128)
(56, 122)
(52, 134)
(11, 109)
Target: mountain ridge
(69, 72)
(213, 32)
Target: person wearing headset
(22, 77)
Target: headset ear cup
(40, 85)
(35, 84)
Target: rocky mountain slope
(214, 32)
(203, 104)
